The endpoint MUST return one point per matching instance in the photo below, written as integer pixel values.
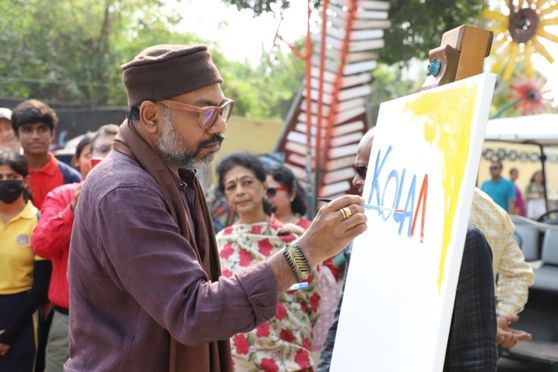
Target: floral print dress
(283, 343)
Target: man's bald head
(361, 159)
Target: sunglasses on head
(361, 170)
(208, 115)
(272, 191)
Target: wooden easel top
(461, 55)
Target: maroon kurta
(134, 279)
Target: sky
(243, 37)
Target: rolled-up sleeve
(515, 276)
(148, 258)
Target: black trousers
(21, 356)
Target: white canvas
(400, 287)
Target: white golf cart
(528, 139)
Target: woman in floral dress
(288, 198)
(283, 343)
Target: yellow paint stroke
(448, 118)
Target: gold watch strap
(297, 262)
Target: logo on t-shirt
(23, 240)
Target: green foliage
(280, 83)
(71, 50)
(259, 6)
(417, 25)
(265, 91)
(389, 83)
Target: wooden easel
(461, 55)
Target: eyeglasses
(207, 115)
(272, 191)
(494, 167)
(361, 170)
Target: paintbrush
(370, 206)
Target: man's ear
(150, 116)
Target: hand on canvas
(333, 228)
(508, 337)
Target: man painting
(145, 284)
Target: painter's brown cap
(166, 71)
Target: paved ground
(507, 365)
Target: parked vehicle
(538, 241)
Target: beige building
(256, 136)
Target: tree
(71, 50)
(260, 6)
(388, 82)
(416, 25)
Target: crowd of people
(507, 194)
(38, 196)
(124, 267)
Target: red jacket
(51, 239)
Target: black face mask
(10, 190)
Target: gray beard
(174, 151)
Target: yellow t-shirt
(16, 256)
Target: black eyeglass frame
(361, 170)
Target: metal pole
(543, 162)
(320, 99)
(310, 192)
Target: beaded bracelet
(297, 262)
